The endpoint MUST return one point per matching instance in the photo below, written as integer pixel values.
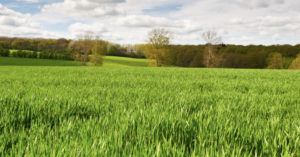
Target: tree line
(159, 51)
(34, 54)
(65, 45)
(34, 44)
(215, 54)
(236, 56)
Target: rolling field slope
(109, 61)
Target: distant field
(112, 61)
(12, 61)
(109, 61)
(138, 111)
(13, 50)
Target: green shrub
(59, 56)
(20, 53)
(6, 53)
(286, 62)
(68, 56)
(3, 52)
(46, 55)
(55, 55)
(41, 54)
(34, 54)
(28, 54)
(51, 56)
(14, 54)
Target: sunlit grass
(87, 111)
(113, 61)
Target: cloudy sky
(243, 22)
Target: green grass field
(112, 61)
(109, 61)
(136, 111)
(12, 61)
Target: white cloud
(237, 20)
(85, 8)
(290, 28)
(29, 0)
(81, 28)
(295, 6)
(111, 36)
(22, 31)
(244, 38)
(187, 28)
(17, 21)
(52, 18)
(8, 12)
(255, 3)
(264, 33)
(190, 37)
(126, 21)
(259, 25)
(276, 37)
(146, 21)
(12, 18)
(17, 24)
(97, 28)
(223, 31)
(106, 1)
(275, 21)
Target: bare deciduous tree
(98, 51)
(158, 39)
(210, 59)
(82, 47)
(85, 44)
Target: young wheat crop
(80, 111)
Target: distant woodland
(230, 56)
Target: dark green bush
(14, 54)
(20, 53)
(41, 55)
(55, 55)
(51, 56)
(59, 56)
(46, 55)
(6, 53)
(1, 51)
(28, 54)
(34, 54)
(68, 56)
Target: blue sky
(242, 22)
